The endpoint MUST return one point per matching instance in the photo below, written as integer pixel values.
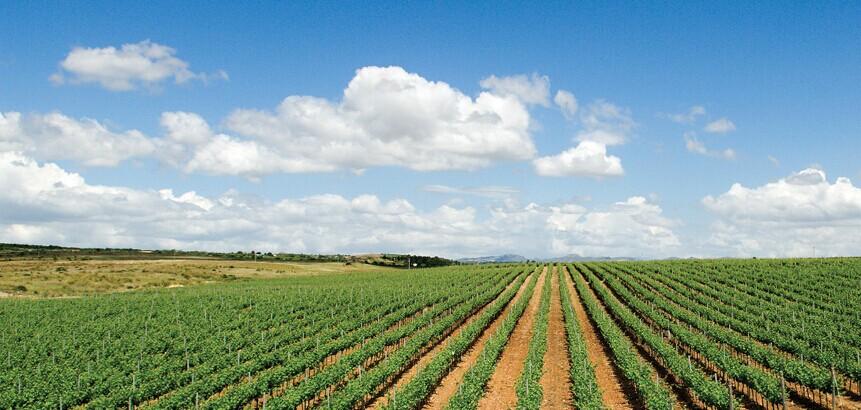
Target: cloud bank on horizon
(390, 121)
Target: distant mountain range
(577, 258)
(494, 259)
(507, 258)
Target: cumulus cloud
(789, 217)
(693, 144)
(55, 136)
(688, 117)
(185, 128)
(386, 117)
(720, 126)
(588, 158)
(191, 145)
(128, 67)
(603, 124)
(567, 102)
(529, 90)
(44, 203)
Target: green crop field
(658, 335)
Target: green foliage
(709, 391)
(184, 345)
(471, 389)
(528, 388)
(761, 381)
(587, 394)
(414, 393)
(655, 395)
(340, 340)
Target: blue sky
(786, 77)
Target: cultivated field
(617, 335)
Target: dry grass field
(70, 278)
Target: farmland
(772, 334)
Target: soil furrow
(555, 380)
(448, 385)
(685, 396)
(500, 392)
(427, 357)
(616, 392)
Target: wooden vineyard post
(731, 399)
(833, 389)
(783, 390)
(527, 378)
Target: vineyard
(717, 334)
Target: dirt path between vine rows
(427, 357)
(449, 384)
(260, 402)
(500, 392)
(613, 386)
(555, 379)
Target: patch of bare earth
(615, 392)
(555, 380)
(449, 384)
(500, 392)
(427, 357)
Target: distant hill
(494, 259)
(577, 258)
(512, 258)
(25, 251)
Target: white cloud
(189, 197)
(482, 191)
(387, 117)
(567, 102)
(693, 113)
(720, 126)
(127, 68)
(605, 123)
(693, 144)
(186, 128)
(789, 217)
(588, 158)
(634, 227)
(190, 144)
(529, 90)
(55, 136)
(803, 196)
(633, 221)
(43, 203)
(224, 155)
